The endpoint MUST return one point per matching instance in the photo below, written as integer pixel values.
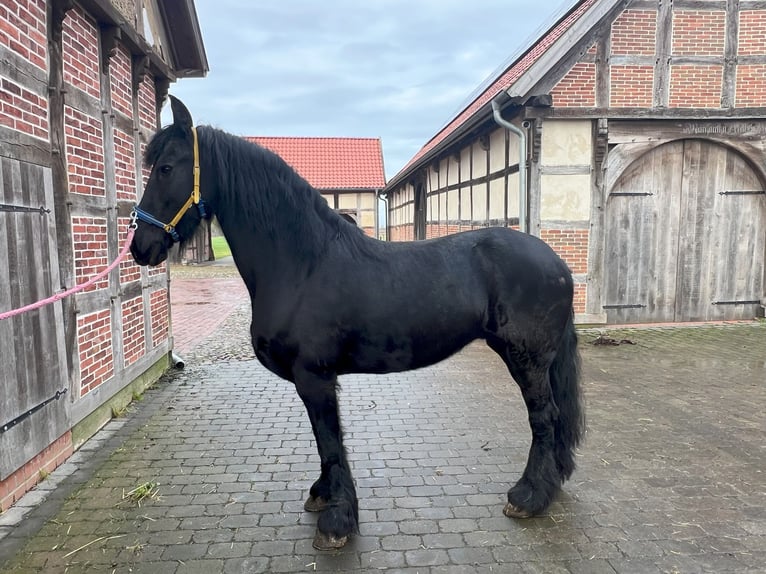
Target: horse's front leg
(333, 494)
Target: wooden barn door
(685, 237)
(35, 399)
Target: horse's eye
(166, 169)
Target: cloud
(394, 69)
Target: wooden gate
(35, 399)
(685, 237)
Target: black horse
(327, 300)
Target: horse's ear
(181, 115)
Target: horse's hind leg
(541, 479)
(333, 495)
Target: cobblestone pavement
(672, 477)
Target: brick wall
(577, 88)
(693, 86)
(402, 233)
(751, 85)
(89, 240)
(23, 33)
(160, 311)
(129, 271)
(442, 229)
(23, 30)
(572, 246)
(14, 487)
(94, 344)
(752, 33)
(751, 78)
(23, 110)
(633, 33)
(120, 82)
(631, 86)
(133, 332)
(81, 61)
(699, 32)
(125, 166)
(85, 152)
(147, 110)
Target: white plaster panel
(453, 173)
(565, 197)
(465, 161)
(497, 199)
(497, 150)
(479, 193)
(348, 200)
(513, 195)
(367, 201)
(479, 161)
(453, 197)
(566, 142)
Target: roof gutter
(503, 97)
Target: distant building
(645, 163)
(348, 172)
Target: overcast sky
(393, 69)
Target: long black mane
(256, 187)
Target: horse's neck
(264, 256)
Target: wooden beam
(18, 70)
(110, 36)
(646, 113)
(57, 10)
(728, 92)
(20, 146)
(663, 50)
(603, 67)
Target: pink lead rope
(76, 288)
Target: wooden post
(57, 10)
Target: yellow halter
(194, 198)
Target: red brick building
(81, 84)
(630, 136)
(348, 172)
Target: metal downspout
(522, 160)
(380, 195)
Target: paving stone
(667, 478)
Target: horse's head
(171, 207)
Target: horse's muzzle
(148, 251)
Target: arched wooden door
(685, 237)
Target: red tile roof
(505, 80)
(331, 163)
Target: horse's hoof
(512, 511)
(315, 504)
(324, 541)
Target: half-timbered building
(81, 83)
(348, 172)
(631, 137)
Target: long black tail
(565, 383)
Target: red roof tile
(504, 80)
(331, 163)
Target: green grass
(220, 247)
